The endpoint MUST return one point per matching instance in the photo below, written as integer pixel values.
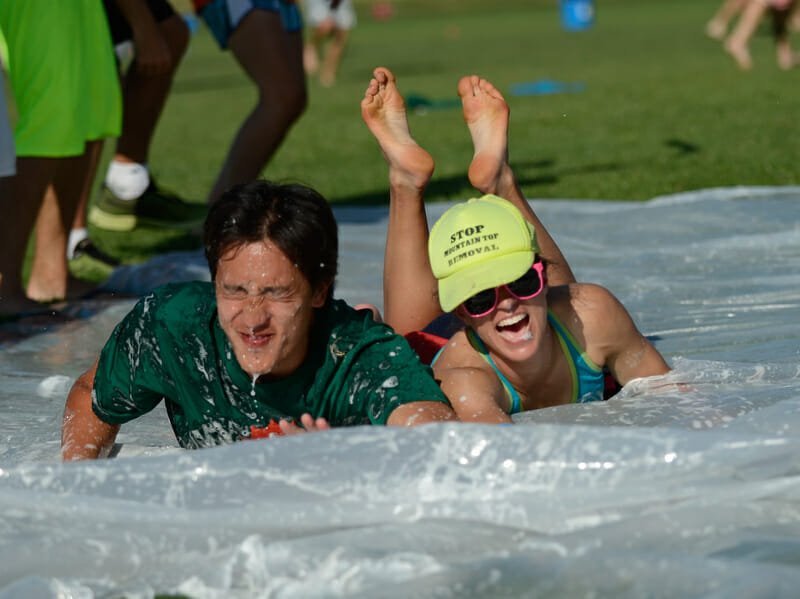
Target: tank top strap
(585, 375)
(478, 345)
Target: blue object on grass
(543, 87)
(577, 15)
(422, 104)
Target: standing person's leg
(145, 94)
(738, 42)
(273, 59)
(64, 82)
(717, 27)
(333, 57)
(312, 49)
(486, 114)
(49, 279)
(129, 197)
(781, 15)
(344, 20)
(20, 199)
(410, 291)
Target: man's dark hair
(294, 217)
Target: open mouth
(252, 340)
(514, 326)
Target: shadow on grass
(143, 243)
(459, 188)
(682, 146)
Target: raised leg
(410, 291)
(487, 114)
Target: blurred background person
(717, 26)
(738, 42)
(330, 24)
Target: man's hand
(310, 425)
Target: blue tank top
(588, 381)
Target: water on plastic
(660, 492)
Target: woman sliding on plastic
(532, 336)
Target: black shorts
(121, 30)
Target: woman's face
(515, 328)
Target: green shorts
(62, 74)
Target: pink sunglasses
(526, 287)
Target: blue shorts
(224, 16)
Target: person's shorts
(62, 74)
(223, 16)
(120, 28)
(319, 11)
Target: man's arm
(83, 435)
(421, 412)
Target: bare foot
(384, 111)
(486, 114)
(47, 294)
(740, 54)
(785, 57)
(716, 29)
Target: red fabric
(273, 429)
(425, 344)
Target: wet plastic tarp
(681, 486)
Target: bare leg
(50, 279)
(144, 96)
(333, 57)
(780, 29)
(718, 25)
(486, 114)
(313, 47)
(20, 199)
(410, 291)
(273, 59)
(738, 43)
(94, 149)
(143, 100)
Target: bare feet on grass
(740, 53)
(384, 111)
(486, 114)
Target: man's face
(265, 307)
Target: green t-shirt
(171, 347)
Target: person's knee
(176, 33)
(286, 104)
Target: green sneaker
(89, 263)
(154, 208)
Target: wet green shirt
(171, 347)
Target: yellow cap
(479, 244)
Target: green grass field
(664, 109)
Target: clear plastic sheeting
(686, 485)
